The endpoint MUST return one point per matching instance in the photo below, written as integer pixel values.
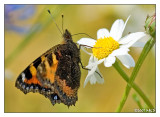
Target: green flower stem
(130, 80)
(133, 85)
(136, 98)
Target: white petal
(109, 61)
(95, 59)
(99, 76)
(92, 71)
(90, 74)
(95, 77)
(118, 28)
(100, 61)
(102, 32)
(121, 51)
(91, 65)
(94, 62)
(91, 59)
(125, 24)
(85, 51)
(130, 39)
(86, 81)
(139, 44)
(127, 60)
(88, 42)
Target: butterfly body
(55, 74)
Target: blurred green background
(29, 32)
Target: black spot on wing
(27, 73)
(50, 59)
(57, 55)
(37, 62)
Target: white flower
(108, 47)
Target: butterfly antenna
(54, 21)
(83, 34)
(62, 23)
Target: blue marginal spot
(55, 97)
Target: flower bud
(150, 25)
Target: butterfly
(55, 74)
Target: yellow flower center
(104, 47)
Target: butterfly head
(67, 35)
